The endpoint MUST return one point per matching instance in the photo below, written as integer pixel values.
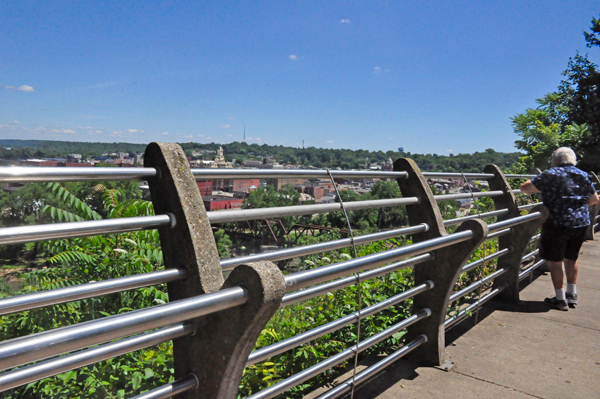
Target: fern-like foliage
(77, 210)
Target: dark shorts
(558, 243)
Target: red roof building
(219, 202)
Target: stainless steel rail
(17, 174)
(56, 231)
(188, 383)
(63, 174)
(26, 375)
(488, 258)
(531, 255)
(300, 339)
(500, 212)
(451, 222)
(514, 176)
(83, 291)
(59, 231)
(35, 347)
(475, 285)
(288, 253)
(452, 321)
(481, 176)
(374, 369)
(318, 275)
(530, 270)
(211, 174)
(304, 375)
(317, 290)
(514, 221)
(240, 215)
(535, 237)
(448, 197)
(499, 233)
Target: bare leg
(571, 270)
(556, 272)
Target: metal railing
(143, 328)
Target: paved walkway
(525, 351)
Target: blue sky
(429, 76)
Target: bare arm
(528, 188)
(594, 199)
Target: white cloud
(293, 57)
(64, 131)
(15, 122)
(380, 70)
(98, 131)
(345, 21)
(450, 150)
(224, 126)
(164, 133)
(132, 130)
(231, 117)
(189, 137)
(258, 139)
(329, 141)
(200, 135)
(390, 139)
(25, 88)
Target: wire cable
(358, 282)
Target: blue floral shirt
(565, 192)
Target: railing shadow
(405, 370)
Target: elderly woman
(566, 192)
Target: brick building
(218, 202)
(205, 187)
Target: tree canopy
(568, 117)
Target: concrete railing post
(517, 241)
(594, 210)
(216, 354)
(443, 269)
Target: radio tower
(302, 144)
(244, 133)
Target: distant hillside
(61, 148)
(311, 156)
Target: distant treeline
(240, 151)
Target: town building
(221, 202)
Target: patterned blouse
(565, 192)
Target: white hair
(562, 156)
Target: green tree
(568, 117)
(392, 216)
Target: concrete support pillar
(443, 269)
(517, 241)
(217, 353)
